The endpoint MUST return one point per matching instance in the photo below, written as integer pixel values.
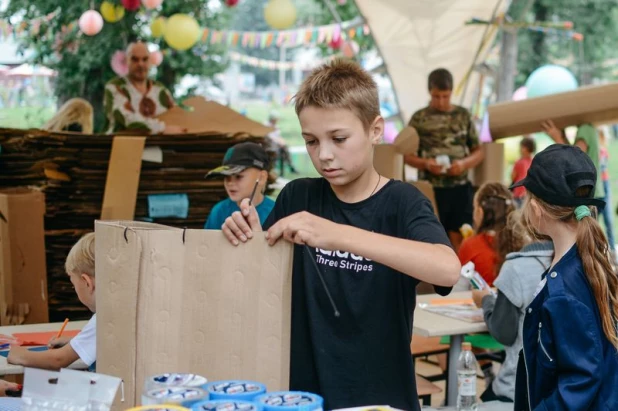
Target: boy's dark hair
(440, 79)
(529, 144)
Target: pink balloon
(342, 2)
(130, 5)
(520, 94)
(91, 23)
(156, 58)
(390, 132)
(119, 63)
(152, 4)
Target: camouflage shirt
(450, 133)
(126, 108)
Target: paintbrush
(257, 182)
(317, 268)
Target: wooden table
(429, 324)
(9, 369)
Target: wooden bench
(426, 389)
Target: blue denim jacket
(567, 362)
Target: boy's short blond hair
(81, 257)
(341, 84)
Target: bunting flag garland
(233, 38)
(277, 65)
(285, 38)
(562, 28)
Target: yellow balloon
(181, 32)
(157, 27)
(111, 13)
(280, 14)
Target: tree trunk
(508, 65)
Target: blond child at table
(64, 352)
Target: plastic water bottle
(466, 379)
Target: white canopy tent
(417, 36)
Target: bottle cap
(466, 346)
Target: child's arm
(50, 360)
(435, 264)
(241, 225)
(501, 316)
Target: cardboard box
(426, 188)
(210, 116)
(407, 141)
(388, 161)
(492, 167)
(170, 300)
(595, 104)
(23, 273)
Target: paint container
(290, 401)
(175, 380)
(235, 390)
(226, 405)
(183, 396)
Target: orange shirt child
(481, 251)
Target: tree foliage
(83, 62)
(588, 60)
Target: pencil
(66, 321)
(254, 190)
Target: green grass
(25, 117)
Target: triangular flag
(235, 39)
(263, 40)
(351, 34)
(359, 31)
(329, 34)
(269, 39)
(321, 35)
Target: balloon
(342, 2)
(119, 63)
(131, 5)
(231, 3)
(152, 4)
(156, 58)
(280, 14)
(181, 32)
(91, 23)
(111, 13)
(550, 79)
(157, 27)
(350, 49)
(520, 94)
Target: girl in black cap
(570, 351)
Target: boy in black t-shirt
(373, 239)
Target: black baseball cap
(557, 172)
(240, 157)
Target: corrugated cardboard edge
(593, 104)
(123, 296)
(407, 141)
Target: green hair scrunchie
(582, 211)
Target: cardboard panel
(492, 167)
(202, 306)
(210, 116)
(388, 161)
(595, 104)
(23, 273)
(426, 188)
(122, 182)
(407, 141)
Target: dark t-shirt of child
(362, 357)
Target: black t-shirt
(362, 357)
